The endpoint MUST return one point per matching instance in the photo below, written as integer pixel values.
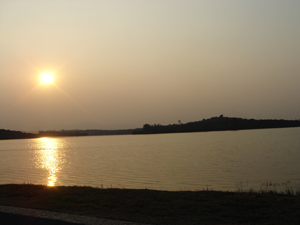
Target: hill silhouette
(220, 123)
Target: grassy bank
(159, 207)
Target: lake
(225, 160)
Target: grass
(160, 207)
(284, 188)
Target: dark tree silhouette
(217, 124)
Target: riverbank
(220, 123)
(158, 207)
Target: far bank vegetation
(219, 123)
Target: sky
(119, 64)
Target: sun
(47, 77)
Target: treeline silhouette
(11, 134)
(220, 123)
(61, 133)
(95, 132)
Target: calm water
(190, 161)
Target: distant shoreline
(220, 123)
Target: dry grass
(159, 207)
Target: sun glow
(47, 78)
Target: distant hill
(220, 123)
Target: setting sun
(47, 78)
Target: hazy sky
(121, 64)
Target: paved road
(10, 215)
(15, 219)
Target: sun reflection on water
(49, 157)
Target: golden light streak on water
(48, 156)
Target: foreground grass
(158, 207)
